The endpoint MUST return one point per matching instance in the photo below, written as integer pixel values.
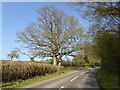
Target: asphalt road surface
(75, 80)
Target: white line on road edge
(61, 88)
(73, 78)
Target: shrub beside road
(23, 70)
(106, 80)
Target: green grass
(107, 81)
(19, 83)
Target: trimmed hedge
(23, 70)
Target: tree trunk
(59, 64)
(54, 60)
(32, 59)
(11, 58)
(60, 60)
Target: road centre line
(61, 87)
(74, 78)
(83, 72)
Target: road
(75, 79)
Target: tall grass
(23, 70)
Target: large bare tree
(55, 34)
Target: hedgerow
(23, 70)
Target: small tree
(13, 54)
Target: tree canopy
(105, 21)
(55, 34)
(104, 16)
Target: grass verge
(107, 81)
(19, 83)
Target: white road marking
(61, 88)
(84, 72)
(74, 78)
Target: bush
(107, 48)
(79, 62)
(107, 80)
(74, 63)
(23, 70)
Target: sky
(16, 16)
